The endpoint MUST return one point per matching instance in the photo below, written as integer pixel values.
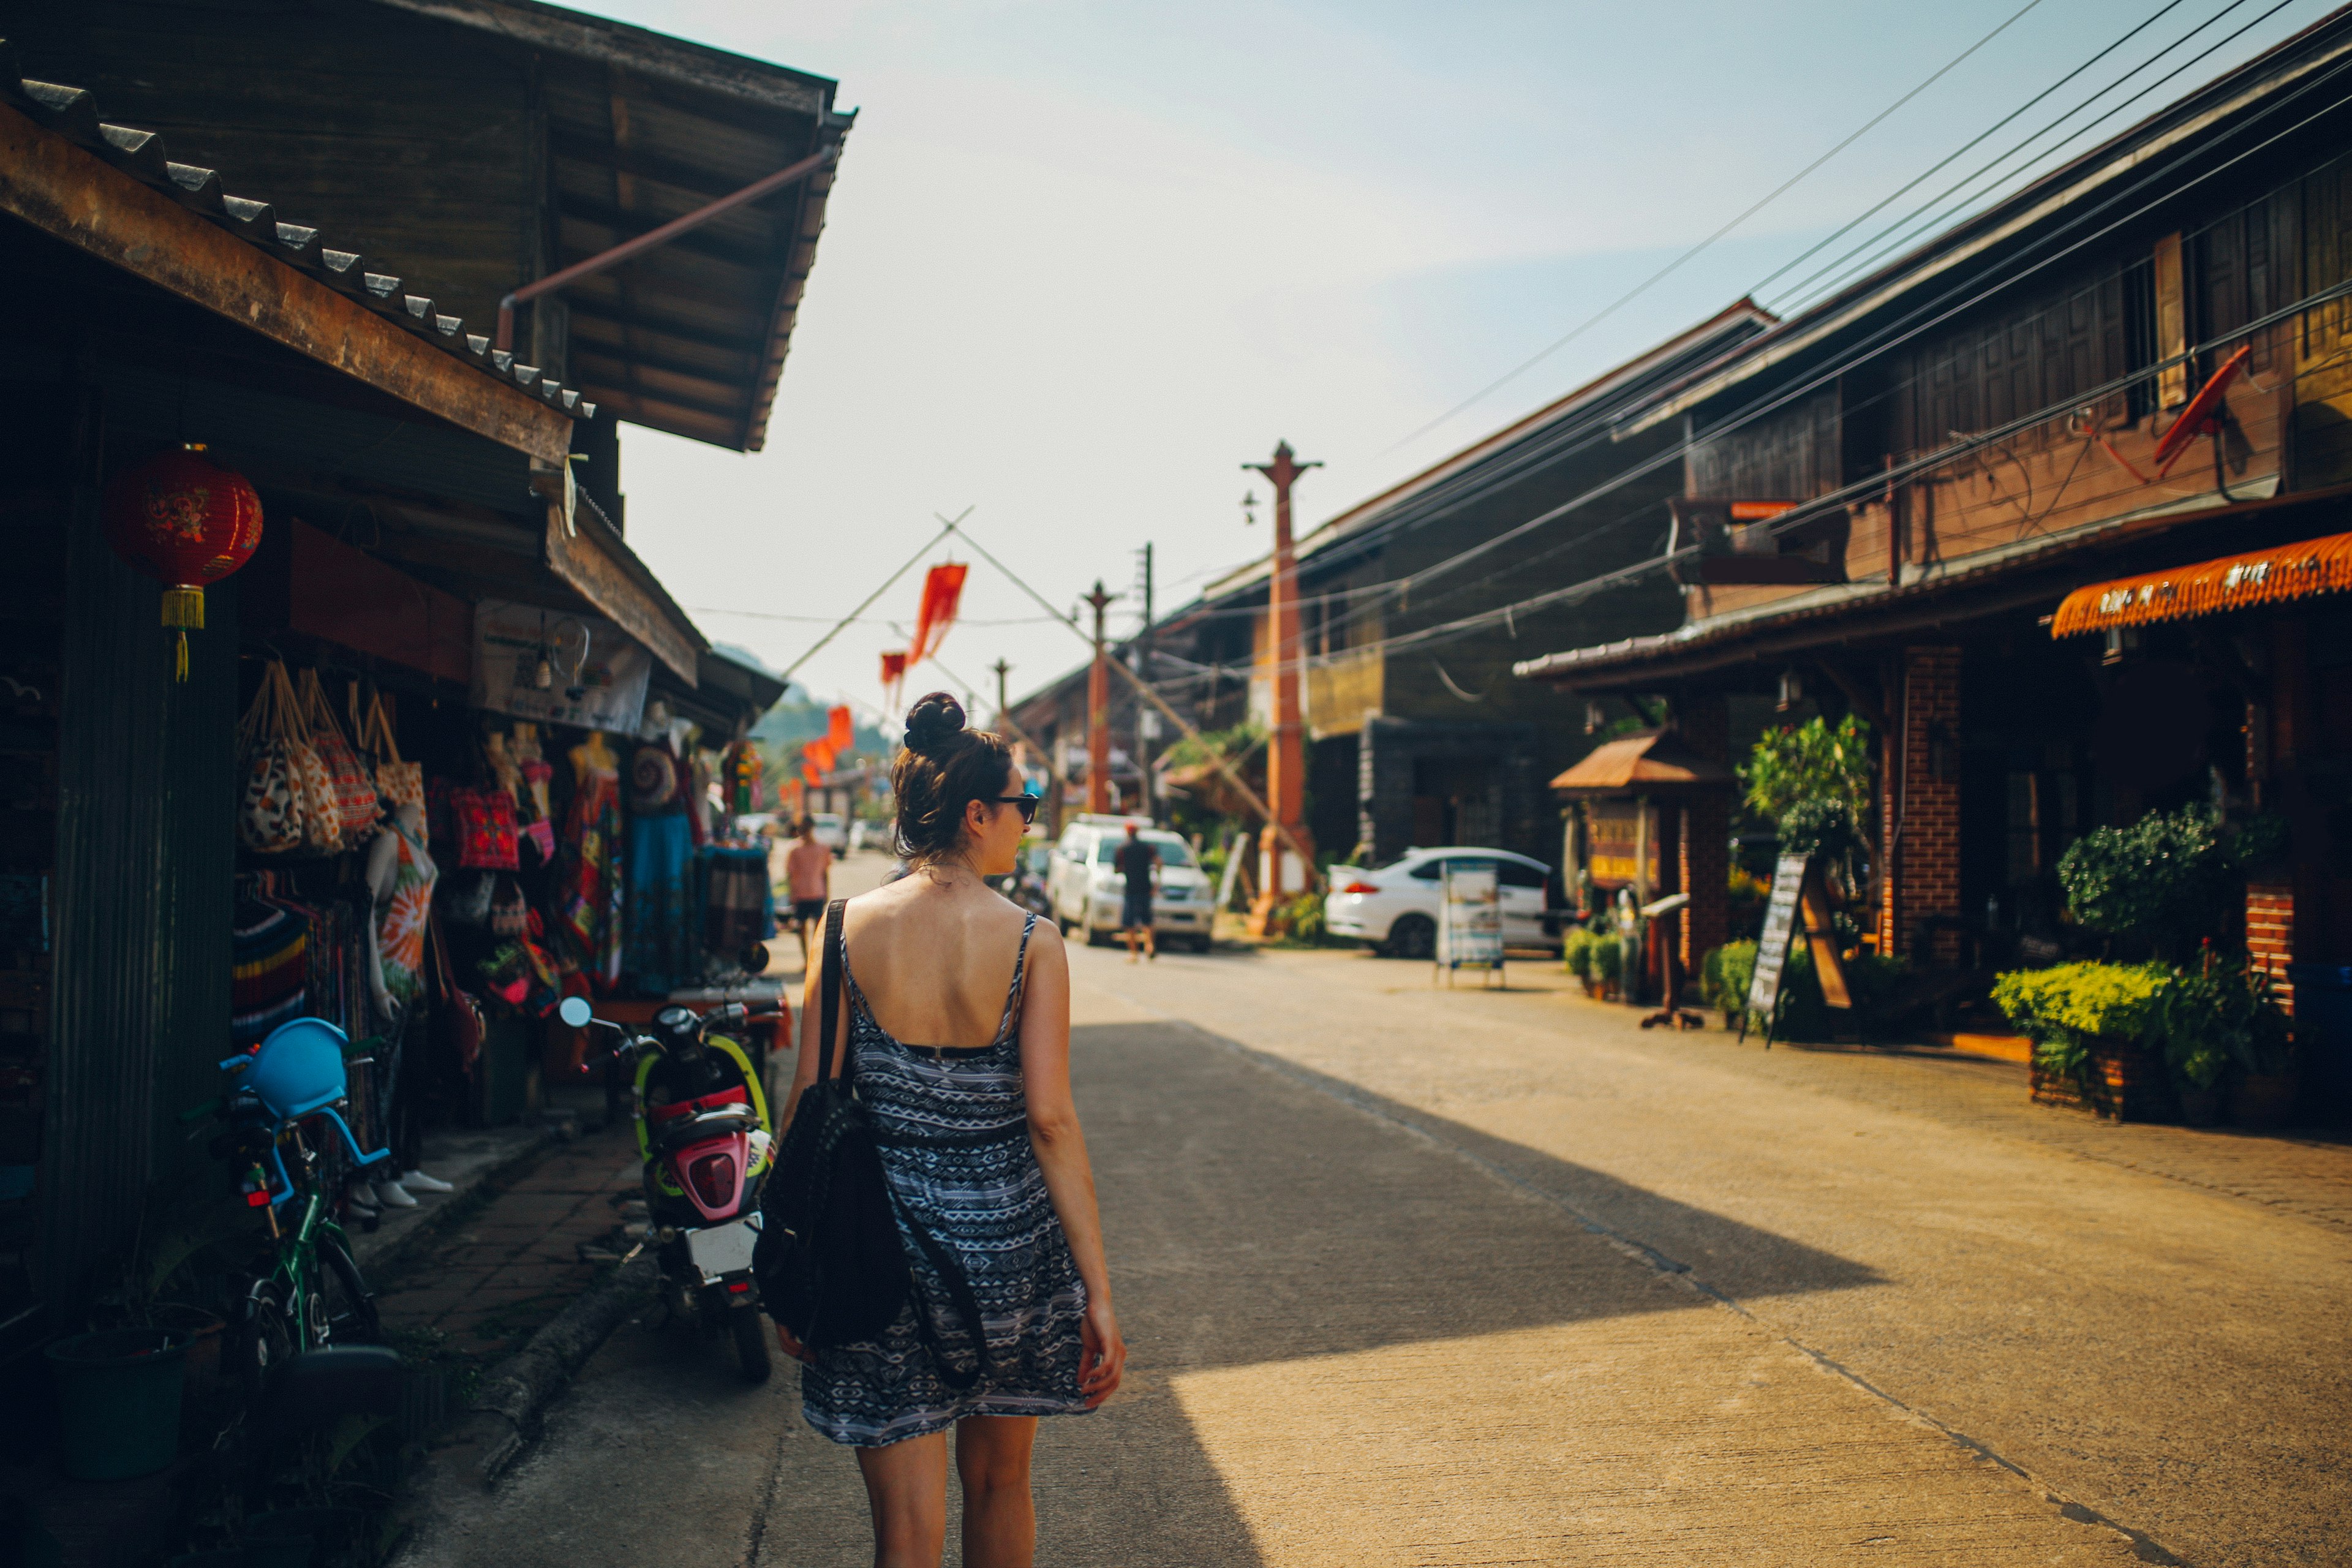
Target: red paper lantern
(180, 518)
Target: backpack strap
(829, 987)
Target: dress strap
(1020, 975)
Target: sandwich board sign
(1470, 919)
(1797, 894)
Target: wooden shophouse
(241, 239)
(2135, 366)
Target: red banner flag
(894, 673)
(942, 591)
(841, 734)
(817, 754)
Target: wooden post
(1286, 753)
(1098, 712)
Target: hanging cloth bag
(487, 839)
(357, 809)
(322, 824)
(401, 783)
(272, 806)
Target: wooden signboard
(1470, 920)
(1796, 892)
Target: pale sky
(1084, 260)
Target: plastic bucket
(118, 1402)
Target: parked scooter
(704, 1133)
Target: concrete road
(1430, 1278)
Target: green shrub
(1724, 975)
(2212, 1021)
(1607, 958)
(1302, 919)
(2068, 1007)
(1576, 952)
(2159, 879)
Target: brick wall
(1921, 812)
(2270, 935)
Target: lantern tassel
(184, 606)
(180, 665)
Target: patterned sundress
(987, 1202)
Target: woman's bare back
(934, 957)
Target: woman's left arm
(1060, 1146)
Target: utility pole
(1098, 711)
(1285, 756)
(1146, 721)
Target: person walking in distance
(808, 871)
(954, 1010)
(1138, 862)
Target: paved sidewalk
(479, 1289)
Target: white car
(830, 832)
(1395, 907)
(1086, 889)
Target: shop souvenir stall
(1631, 839)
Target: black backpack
(829, 1262)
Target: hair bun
(932, 722)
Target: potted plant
(1576, 955)
(1607, 965)
(2223, 1031)
(1725, 975)
(2092, 1025)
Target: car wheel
(1412, 936)
(1204, 944)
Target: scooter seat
(676, 1135)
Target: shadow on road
(1254, 1219)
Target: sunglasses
(1026, 804)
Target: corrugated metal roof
(642, 128)
(73, 113)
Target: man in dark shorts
(1140, 863)
(809, 869)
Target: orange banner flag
(942, 593)
(841, 734)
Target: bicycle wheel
(264, 1338)
(345, 1307)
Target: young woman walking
(956, 1023)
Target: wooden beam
(606, 583)
(72, 195)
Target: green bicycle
(307, 1291)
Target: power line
(1775, 193)
(1919, 220)
(869, 601)
(1976, 141)
(1909, 326)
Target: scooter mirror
(575, 1012)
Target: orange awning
(2209, 588)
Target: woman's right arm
(804, 1074)
(1061, 1147)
